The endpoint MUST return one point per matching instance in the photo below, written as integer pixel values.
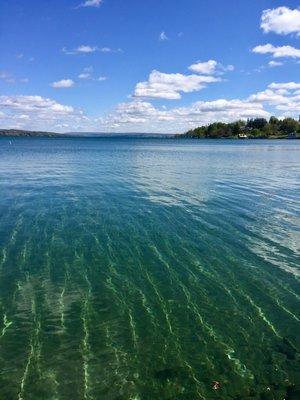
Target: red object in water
(216, 385)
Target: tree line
(252, 128)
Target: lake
(149, 269)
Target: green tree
(256, 123)
(289, 125)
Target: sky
(160, 66)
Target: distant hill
(27, 133)
(257, 128)
(22, 133)
(123, 135)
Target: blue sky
(146, 66)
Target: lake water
(149, 269)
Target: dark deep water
(147, 269)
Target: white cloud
(283, 96)
(143, 116)
(281, 20)
(64, 83)
(285, 86)
(210, 67)
(39, 113)
(277, 52)
(163, 36)
(275, 63)
(33, 104)
(88, 74)
(225, 110)
(85, 75)
(87, 49)
(91, 3)
(168, 86)
(207, 67)
(281, 99)
(269, 96)
(35, 112)
(83, 49)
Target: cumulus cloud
(168, 86)
(210, 67)
(207, 67)
(64, 83)
(91, 3)
(33, 104)
(39, 113)
(277, 52)
(283, 96)
(282, 99)
(281, 20)
(285, 86)
(138, 115)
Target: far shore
(18, 133)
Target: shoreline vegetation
(27, 133)
(15, 133)
(256, 128)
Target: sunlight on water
(149, 269)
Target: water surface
(148, 269)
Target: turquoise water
(148, 269)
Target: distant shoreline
(27, 133)
(19, 133)
(253, 128)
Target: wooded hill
(253, 128)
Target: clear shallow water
(147, 269)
